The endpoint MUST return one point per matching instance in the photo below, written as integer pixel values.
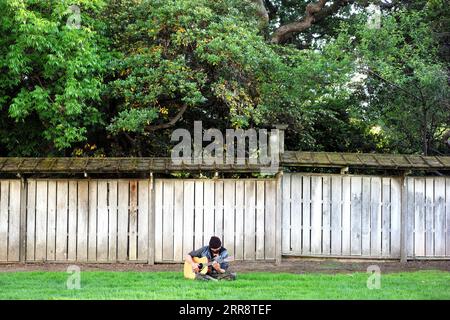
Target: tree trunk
(314, 13)
(262, 12)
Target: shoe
(209, 278)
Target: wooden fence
(241, 212)
(428, 217)
(87, 220)
(258, 219)
(335, 215)
(361, 216)
(135, 220)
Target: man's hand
(195, 267)
(216, 266)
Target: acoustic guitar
(203, 264)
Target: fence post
(278, 213)
(151, 222)
(403, 220)
(23, 217)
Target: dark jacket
(206, 252)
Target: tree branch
(376, 75)
(169, 124)
(262, 11)
(314, 13)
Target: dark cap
(215, 242)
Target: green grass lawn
(171, 285)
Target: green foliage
(307, 87)
(210, 56)
(133, 120)
(51, 72)
(135, 64)
(180, 52)
(406, 93)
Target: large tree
(137, 69)
(51, 75)
(180, 62)
(405, 92)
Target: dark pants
(216, 276)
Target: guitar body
(189, 273)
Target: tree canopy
(130, 71)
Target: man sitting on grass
(214, 251)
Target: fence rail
(99, 220)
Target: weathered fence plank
(102, 221)
(218, 209)
(61, 217)
(92, 223)
(336, 215)
(396, 209)
(122, 220)
(112, 224)
(188, 217)
(198, 214)
(51, 221)
(429, 217)
(287, 214)
(72, 222)
(271, 220)
(31, 220)
(143, 216)
(365, 216)
(4, 217)
(260, 219)
(14, 221)
(168, 201)
(41, 220)
(419, 228)
(316, 215)
(346, 221)
(82, 224)
(239, 226)
(386, 217)
(295, 230)
(249, 221)
(306, 215)
(410, 217)
(208, 210)
(375, 217)
(178, 218)
(326, 218)
(159, 220)
(133, 221)
(229, 216)
(439, 222)
(355, 216)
